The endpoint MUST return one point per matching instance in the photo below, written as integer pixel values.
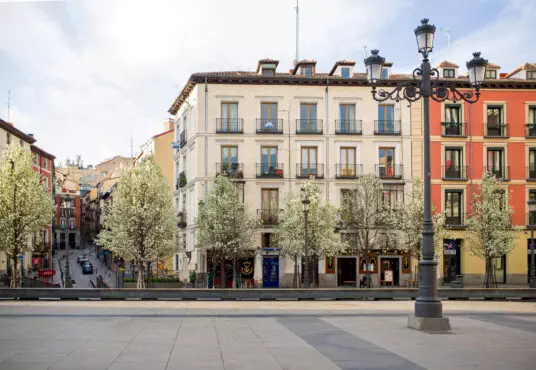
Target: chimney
(169, 124)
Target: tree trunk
(222, 274)
(490, 280)
(234, 273)
(14, 280)
(141, 283)
(296, 281)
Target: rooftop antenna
(446, 31)
(8, 105)
(297, 32)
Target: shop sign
(450, 248)
(46, 273)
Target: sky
(86, 75)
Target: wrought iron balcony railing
(229, 125)
(268, 216)
(306, 170)
(456, 221)
(269, 126)
(387, 127)
(348, 171)
(501, 173)
(531, 173)
(499, 130)
(453, 129)
(348, 127)
(454, 172)
(182, 219)
(182, 179)
(274, 170)
(394, 171)
(309, 126)
(232, 170)
(530, 130)
(182, 139)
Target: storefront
(451, 259)
(245, 272)
(347, 271)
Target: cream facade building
(269, 131)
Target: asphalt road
(83, 280)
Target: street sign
(20, 257)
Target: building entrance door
(346, 271)
(270, 271)
(391, 264)
(451, 259)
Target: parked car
(87, 268)
(82, 259)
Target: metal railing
(274, 170)
(269, 126)
(233, 170)
(387, 127)
(394, 171)
(229, 125)
(268, 216)
(501, 173)
(182, 219)
(530, 130)
(182, 179)
(531, 173)
(531, 219)
(348, 127)
(491, 130)
(453, 129)
(454, 172)
(458, 221)
(348, 171)
(309, 126)
(182, 139)
(306, 170)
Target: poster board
(388, 276)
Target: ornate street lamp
(532, 211)
(426, 84)
(305, 206)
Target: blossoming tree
(25, 204)
(140, 225)
(491, 234)
(322, 222)
(225, 225)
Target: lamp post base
(435, 324)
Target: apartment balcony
(272, 170)
(348, 127)
(531, 219)
(182, 219)
(229, 125)
(182, 179)
(530, 130)
(269, 126)
(183, 139)
(268, 216)
(232, 170)
(453, 129)
(454, 172)
(306, 170)
(500, 173)
(393, 172)
(456, 222)
(387, 127)
(309, 126)
(492, 131)
(348, 171)
(531, 173)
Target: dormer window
(345, 72)
(269, 72)
(267, 67)
(385, 74)
(531, 75)
(307, 71)
(449, 72)
(491, 74)
(343, 68)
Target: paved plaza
(261, 335)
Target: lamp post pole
(425, 85)
(532, 210)
(305, 204)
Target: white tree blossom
(140, 225)
(491, 234)
(225, 225)
(321, 221)
(370, 224)
(26, 206)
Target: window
(532, 115)
(345, 72)
(532, 163)
(229, 159)
(8, 138)
(495, 164)
(385, 74)
(71, 223)
(495, 121)
(269, 205)
(453, 120)
(491, 73)
(269, 72)
(268, 160)
(386, 162)
(531, 75)
(309, 166)
(229, 117)
(63, 222)
(532, 215)
(45, 181)
(385, 119)
(347, 118)
(448, 72)
(453, 163)
(345, 197)
(269, 120)
(307, 71)
(392, 196)
(347, 166)
(35, 159)
(308, 121)
(453, 207)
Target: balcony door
(453, 120)
(229, 115)
(309, 164)
(308, 117)
(269, 116)
(385, 118)
(453, 161)
(496, 162)
(269, 205)
(268, 159)
(229, 159)
(347, 117)
(453, 207)
(532, 163)
(348, 165)
(386, 162)
(495, 121)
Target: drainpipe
(470, 156)
(201, 254)
(289, 150)
(326, 114)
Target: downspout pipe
(326, 115)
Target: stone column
(257, 274)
